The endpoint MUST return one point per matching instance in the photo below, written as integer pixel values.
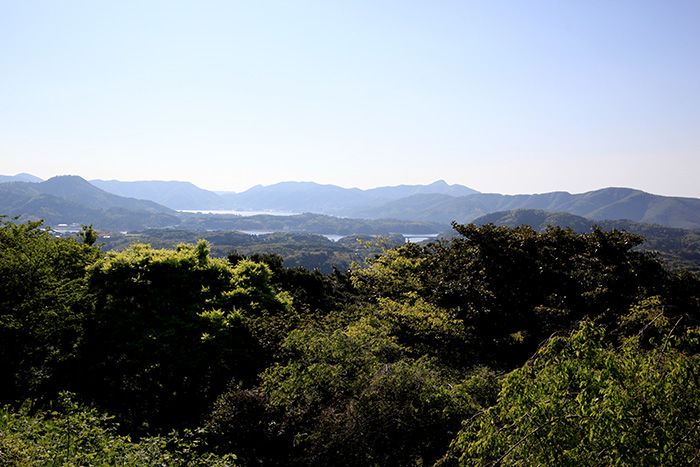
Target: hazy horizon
(503, 97)
(346, 187)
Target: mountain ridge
(606, 203)
(330, 199)
(21, 177)
(437, 202)
(176, 195)
(72, 199)
(289, 196)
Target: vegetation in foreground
(68, 434)
(499, 347)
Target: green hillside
(607, 203)
(72, 200)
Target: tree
(317, 297)
(167, 332)
(88, 235)
(405, 414)
(583, 402)
(70, 434)
(350, 397)
(516, 287)
(43, 305)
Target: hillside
(437, 202)
(308, 223)
(173, 194)
(285, 196)
(79, 190)
(537, 219)
(22, 177)
(607, 203)
(71, 199)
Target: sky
(503, 96)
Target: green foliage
(581, 402)
(395, 274)
(43, 303)
(269, 315)
(311, 251)
(169, 331)
(319, 299)
(380, 366)
(345, 398)
(245, 422)
(678, 248)
(323, 369)
(515, 287)
(404, 415)
(425, 329)
(88, 235)
(72, 435)
(307, 223)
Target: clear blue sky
(521, 96)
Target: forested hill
(71, 199)
(22, 177)
(331, 199)
(437, 202)
(173, 194)
(607, 203)
(285, 196)
(78, 190)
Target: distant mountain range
(436, 203)
(72, 199)
(331, 199)
(69, 199)
(175, 195)
(285, 196)
(607, 203)
(20, 178)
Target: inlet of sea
(333, 237)
(242, 213)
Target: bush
(73, 435)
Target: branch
(668, 336)
(692, 428)
(521, 440)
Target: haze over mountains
(71, 199)
(607, 203)
(284, 196)
(438, 202)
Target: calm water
(242, 213)
(335, 238)
(408, 237)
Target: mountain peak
(20, 177)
